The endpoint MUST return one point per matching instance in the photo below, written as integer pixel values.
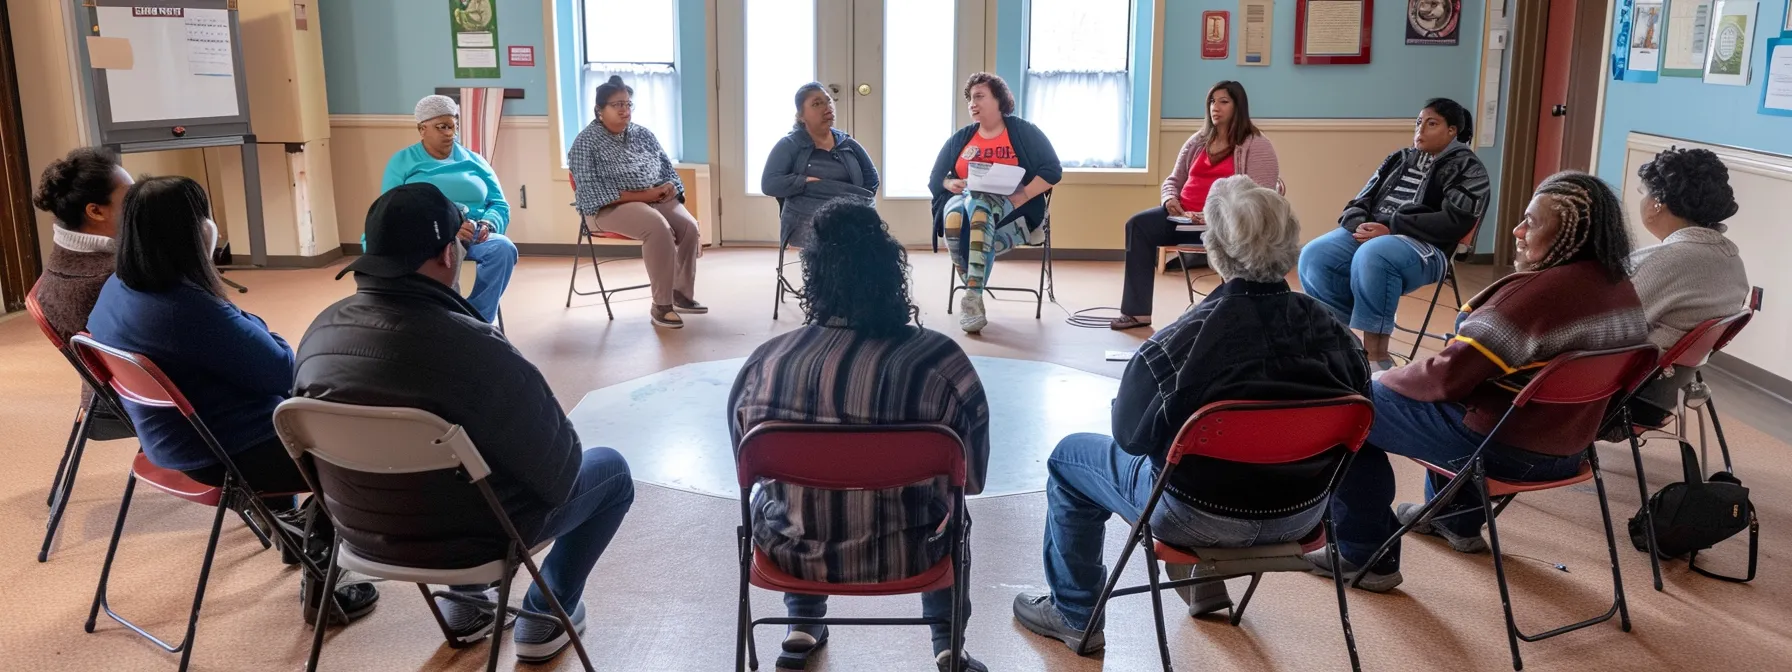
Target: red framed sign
(1332, 32)
(1216, 34)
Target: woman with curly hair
(858, 361)
(1572, 292)
(1695, 273)
(982, 226)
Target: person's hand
(812, 178)
(484, 230)
(1173, 206)
(1198, 217)
(1017, 198)
(467, 231)
(1368, 230)
(670, 192)
(954, 186)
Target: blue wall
(1682, 107)
(1396, 82)
(381, 56)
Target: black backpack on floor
(1696, 514)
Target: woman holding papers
(980, 223)
(1228, 144)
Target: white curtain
(656, 99)
(1086, 114)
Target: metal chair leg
(1238, 613)
(1642, 489)
(559, 610)
(1331, 555)
(1425, 327)
(74, 431)
(99, 594)
(1611, 543)
(323, 603)
(64, 487)
(743, 629)
(778, 302)
(1107, 590)
(574, 280)
(1716, 426)
(1479, 476)
(1157, 598)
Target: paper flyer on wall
(1776, 95)
(1256, 17)
(475, 31)
(1732, 43)
(1646, 34)
(1689, 30)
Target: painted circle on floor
(673, 425)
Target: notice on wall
(1689, 27)
(1334, 28)
(1216, 34)
(475, 38)
(1732, 41)
(1646, 34)
(1776, 97)
(208, 43)
(1256, 17)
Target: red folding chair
(1188, 277)
(1449, 277)
(1571, 379)
(849, 457)
(137, 380)
(586, 244)
(85, 426)
(1249, 432)
(1691, 350)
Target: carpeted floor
(663, 597)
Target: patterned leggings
(981, 237)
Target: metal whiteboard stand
(258, 252)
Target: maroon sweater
(1515, 327)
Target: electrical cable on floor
(1083, 319)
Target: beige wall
(1763, 185)
(46, 90)
(1324, 163)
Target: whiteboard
(182, 67)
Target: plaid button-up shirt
(605, 164)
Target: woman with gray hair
(1253, 338)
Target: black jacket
(1032, 150)
(1246, 341)
(1451, 197)
(411, 342)
(786, 178)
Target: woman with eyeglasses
(468, 181)
(625, 184)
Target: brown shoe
(665, 316)
(685, 304)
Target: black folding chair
(1047, 283)
(1250, 432)
(784, 285)
(1448, 278)
(1571, 379)
(586, 244)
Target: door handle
(864, 89)
(1559, 111)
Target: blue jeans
(935, 604)
(1090, 479)
(1362, 282)
(496, 257)
(1432, 432)
(580, 528)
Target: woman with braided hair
(1695, 273)
(1572, 292)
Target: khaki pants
(669, 243)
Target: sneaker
(352, 601)
(1202, 598)
(1408, 511)
(798, 646)
(665, 316)
(468, 621)
(970, 308)
(1037, 612)
(687, 305)
(540, 637)
(1374, 582)
(965, 662)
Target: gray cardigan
(1693, 275)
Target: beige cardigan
(1256, 158)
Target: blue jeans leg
(582, 527)
(1090, 479)
(935, 604)
(1385, 268)
(496, 257)
(1325, 271)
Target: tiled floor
(662, 598)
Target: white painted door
(894, 67)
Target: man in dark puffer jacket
(405, 340)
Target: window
(1078, 87)
(780, 57)
(637, 39)
(920, 92)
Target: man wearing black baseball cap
(404, 339)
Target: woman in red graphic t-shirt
(980, 225)
(1228, 144)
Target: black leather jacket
(411, 342)
(1246, 341)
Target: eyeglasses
(445, 128)
(621, 105)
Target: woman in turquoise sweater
(468, 181)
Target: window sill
(1109, 176)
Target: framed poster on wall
(1332, 32)
(1434, 22)
(1216, 34)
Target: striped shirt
(834, 375)
(1407, 190)
(605, 164)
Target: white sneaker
(970, 313)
